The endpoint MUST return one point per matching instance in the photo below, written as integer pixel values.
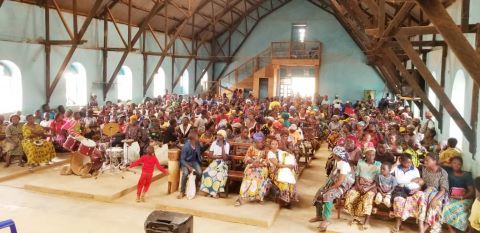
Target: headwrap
(133, 118)
(236, 125)
(292, 127)
(370, 148)
(223, 133)
(277, 124)
(258, 137)
(340, 152)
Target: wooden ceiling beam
(219, 16)
(411, 81)
(436, 88)
(453, 36)
(143, 26)
(99, 6)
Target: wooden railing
(277, 50)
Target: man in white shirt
(45, 123)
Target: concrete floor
(46, 213)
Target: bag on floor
(191, 187)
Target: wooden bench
(236, 166)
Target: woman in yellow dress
(36, 148)
(255, 181)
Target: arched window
(124, 80)
(10, 87)
(204, 82)
(431, 95)
(458, 97)
(185, 80)
(159, 83)
(76, 85)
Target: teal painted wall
(22, 24)
(344, 70)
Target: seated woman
(359, 200)
(404, 173)
(37, 149)
(13, 141)
(427, 207)
(339, 181)
(57, 132)
(214, 178)
(282, 172)
(255, 180)
(455, 212)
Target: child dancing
(149, 162)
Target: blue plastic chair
(8, 223)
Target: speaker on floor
(168, 222)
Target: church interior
(268, 116)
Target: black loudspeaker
(168, 222)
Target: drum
(86, 147)
(114, 154)
(97, 159)
(71, 143)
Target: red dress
(58, 133)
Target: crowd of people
(382, 156)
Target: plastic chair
(8, 223)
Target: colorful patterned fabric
(214, 178)
(408, 207)
(455, 213)
(431, 215)
(326, 194)
(36, 153)
(288, 192)
(14, 134)
(357, 204)
(255, 180)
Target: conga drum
(173, 170)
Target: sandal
(181, 195)
(365, 227)
(323, 226)
(355, 220)
(238, 203)
(316, 219)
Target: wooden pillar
(475, 95)
(105, 54)
(47, 51)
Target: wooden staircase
(262, 65)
